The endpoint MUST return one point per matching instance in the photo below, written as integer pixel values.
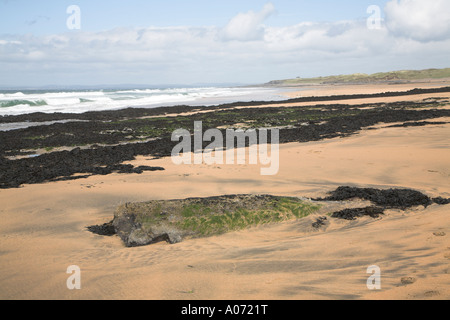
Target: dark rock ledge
(382, 199)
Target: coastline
(44, 228)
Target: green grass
(403, 75)
(210, 220)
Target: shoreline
(326, 96)
(79, 149)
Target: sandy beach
(43, 226)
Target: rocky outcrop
(106, 229)
(104, 140)
(60, 166)
(383, 199)
(140, 224)
(134, 234)
(390, 198)
(352, 214)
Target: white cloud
(4, 42)
(248, 26)
(420, 20)
(157, 55)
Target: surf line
(235, 147)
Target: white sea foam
(17, 94)
(83, 101)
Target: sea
(19, 102)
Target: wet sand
(43, 229)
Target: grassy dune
(403, 75)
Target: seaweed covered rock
(390, 198)
(352, 214)
(106, 229)
(441, 201)
(134, 231)
(320, 222)
(140, 224)
(383, 199)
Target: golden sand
(43, 229)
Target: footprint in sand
(430, 294)
(408, 280)
(447, 255)
(88, 186)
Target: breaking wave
(100, 100)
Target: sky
(115, 42)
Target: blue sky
(49, 16)
(199, 41)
